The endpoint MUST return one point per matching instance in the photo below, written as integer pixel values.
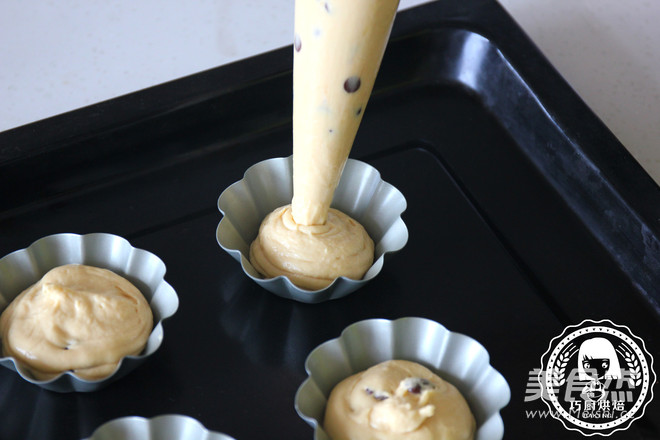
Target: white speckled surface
(59, 56)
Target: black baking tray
(525, 215)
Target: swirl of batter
(77, 318)
(311, 256)
(397, 400)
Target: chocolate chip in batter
(297, 44)
(357, 113)
(376, 395)
(352, 84)
(417, 384)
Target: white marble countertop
(57, 56)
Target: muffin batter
(76, 318)
(397, 400)
(312, 256)
(338, 47)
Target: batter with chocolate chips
(397, 400)
(338, 47)
(77, 318)
(338, 54)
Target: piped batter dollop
(77, 318)
(397, 400)
(311, 256)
